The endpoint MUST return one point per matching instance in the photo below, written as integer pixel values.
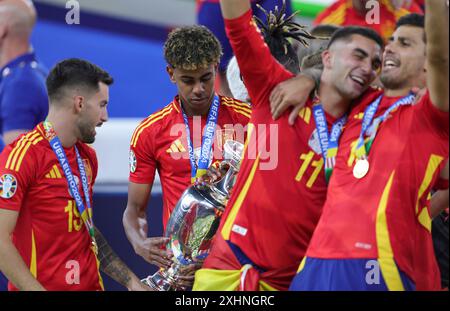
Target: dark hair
(412, 19)
(324, 30)
(276, 32)
(75, 72)
(192, 47)
(311, 56)
(345, 33)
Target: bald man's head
(17, 18)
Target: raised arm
(234, 8)
(436, 28)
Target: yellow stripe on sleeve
(336, 17)
(242, 105)
(19, 154)
(16, 149)
(142, 128)
(432, 166)
(239, 110)
(149, 119)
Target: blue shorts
(346, 275)
(209, 15)
(3, 283)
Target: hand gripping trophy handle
(195, 220)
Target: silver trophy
(195, 219)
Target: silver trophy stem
(164, 280)
(195, 220)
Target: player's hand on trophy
(153, 251)
(186, 274)
(290, 93)
(213, 174)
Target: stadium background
(125, 38)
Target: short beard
(86, 136)
(389, 83)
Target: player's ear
(326, 58)
(170, 70)
(78, 102)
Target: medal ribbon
(207, 140)
(329, 142)
(362, 147)
(86, 214)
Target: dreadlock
(277, 30)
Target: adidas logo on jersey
(176, 146)
(54, 173)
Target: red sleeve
(325, 13)
(431, 118)
(260, 70)
(415, 8)
(14, 182)
(142, 158)
(441, 184)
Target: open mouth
(358, 80)
(390, 63)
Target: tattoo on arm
(110, 263)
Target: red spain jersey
(281, 188)
(342, 13)
(50, 234)
(385, 214)
(160, 144)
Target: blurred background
(126, 39)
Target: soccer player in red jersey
(46, 180)
(374, 233)
(162, 142)
(380, 15)
(208, 14)
(278, 195)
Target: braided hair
(277, 30)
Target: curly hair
(192, 48)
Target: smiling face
(195, 88)
(404, 59)
(352, 64)
(93, 114)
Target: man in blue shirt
(23, 95)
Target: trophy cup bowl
(195, 220)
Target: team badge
(8, 186)
(132, 161)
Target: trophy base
(163, 281)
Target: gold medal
(361, 168)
